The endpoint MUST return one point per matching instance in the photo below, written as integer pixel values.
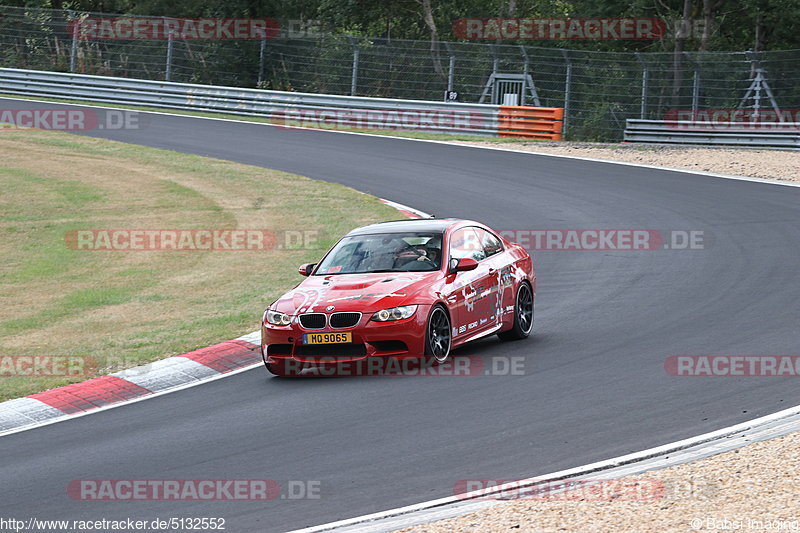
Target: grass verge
(126, 308)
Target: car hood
(355, 292)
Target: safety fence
(598, 90)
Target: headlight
(394, 313)
(278, 319)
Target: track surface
(594, 385)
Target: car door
(473, 289)
(502, 294)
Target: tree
(427, 15)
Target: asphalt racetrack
(593, 387)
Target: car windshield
(384, 252)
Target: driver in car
(429, 252)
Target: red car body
(479, 300)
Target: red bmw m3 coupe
(404, 289)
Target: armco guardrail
(533, 122)
(780, 135)
(285, 108)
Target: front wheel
(438, 335)
(523, 315)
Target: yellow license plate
(327, 338)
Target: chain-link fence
(599, 90)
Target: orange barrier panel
(533, 122)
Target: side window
(491, 244)
(466, 243)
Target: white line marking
(401, 207)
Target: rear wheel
(523, 315)
(438, 335)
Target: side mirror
(306, 269)
(463, 265)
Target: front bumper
(401, 339)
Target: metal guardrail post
(525, 72)
(354, 74)
(645, 75)
(73, 53)
(168, 69)
(567, 87)
(695, 83)
(261, 53)
(451, 71)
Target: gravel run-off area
(755, 488)
(764, 164)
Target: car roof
(437, 225)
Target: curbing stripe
(128, 386)
(167, 373)
(410, 212)
(252, 338)
(91, 394)
(25, 411)
(226, 356)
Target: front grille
(346, 319)
(313, 320)
(344, 350)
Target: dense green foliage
(733, 25)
